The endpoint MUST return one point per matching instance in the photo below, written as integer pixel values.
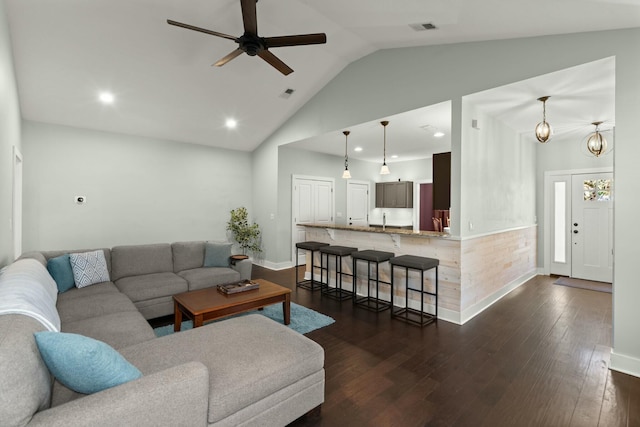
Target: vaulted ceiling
(66, 52)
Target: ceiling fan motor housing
(251, 44)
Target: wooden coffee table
(207, 304)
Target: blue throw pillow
(83, 364)
(217, 254)
(60, 269)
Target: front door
(592, 226)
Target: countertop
(378, 230)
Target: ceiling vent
(287, 93)
(423, 27)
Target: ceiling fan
(252, 44)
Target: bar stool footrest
(311, 285)
(372, 304)
(337, 293)
(412, 316)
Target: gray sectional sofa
(242, 371)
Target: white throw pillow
(89, 268)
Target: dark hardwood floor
(538, 357)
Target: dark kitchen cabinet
(397, 194)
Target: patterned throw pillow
(89, 268)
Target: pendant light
(346, 174)
(543, 129)
(384, 170)
(596, 143)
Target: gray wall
(9, 137)
(139, 190)
(396, 80)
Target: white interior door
(16, 220)
(312, 204)
(592, 227)
(358, 203)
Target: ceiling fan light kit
(346, 174)
(252, 44)
(543, 129)
(384, 170)
(596, 143)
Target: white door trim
(16, 216)
(548, 203)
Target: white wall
(139, 190)
(9, 137)
(498, 176)
(392, 81)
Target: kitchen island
(474, 272)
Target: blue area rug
(303, 319)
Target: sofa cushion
(25, 385)
(136, 260)
(116, 329)
(264, 356)
(72, 309)
(89, 268)
(60, 269)
(207, 277)
(84, 364)
(97, 289)
(149, 286)
(217, 254)
(187, 255)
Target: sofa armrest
(244, 268)
(175, 396)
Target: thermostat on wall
(81, 200)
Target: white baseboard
(625, 364)
(274, 265)
(488, 301)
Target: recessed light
(106, 97)
(357, 149)
(438, 134)
(231, 123)
(395, 156)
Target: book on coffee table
(232, 288)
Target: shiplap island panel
(473, 273)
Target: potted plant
(246, 235)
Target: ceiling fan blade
(275, 62)
(301, 39)
(228, 58)
(249, 16)
(202, 30)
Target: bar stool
(313, 247)
(337, 293)
(407, 314)
(369, 302)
